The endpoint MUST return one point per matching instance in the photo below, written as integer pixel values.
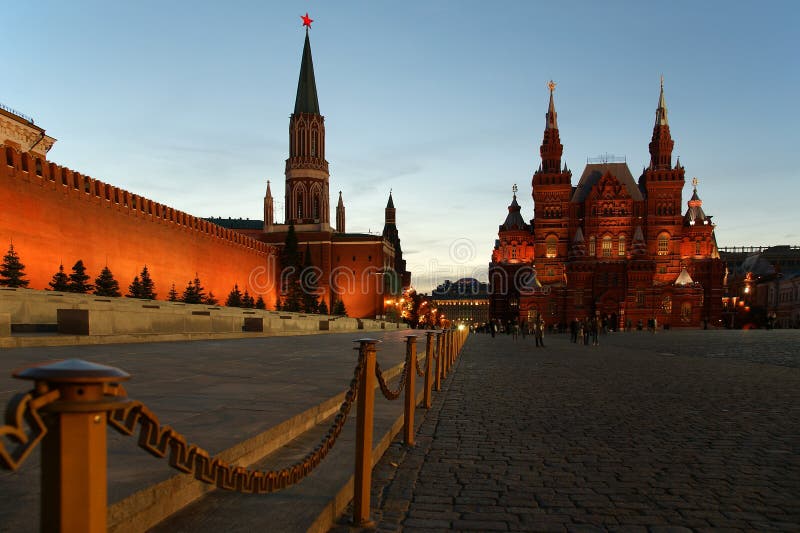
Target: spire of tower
(269, 192)
(306, 100)
(661, 112)
(551, 122)
(340, 215)
(389, 212)
(390, 203)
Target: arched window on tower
(621, 248)
(551, 246)
(697, 248)
(314, 143)
(607, 246)
(663, 243)
(592, 246)
(299, 205)
(316, 206)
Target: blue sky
(443, 102)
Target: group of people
(588, 327)
(536, 328)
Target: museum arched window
(592, 246)
(607, 243)
(621, 247)
(314, 143)
(666, 305)
(552, 245)
(697, 248)
(663, 244)
(316, 207)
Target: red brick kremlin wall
(55, 215)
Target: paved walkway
(679, 431)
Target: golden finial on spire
(514, 188)
(551, 85)
(695, 181)
(662, 81)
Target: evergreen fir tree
(290, 273)
(234, 298)
(247, 300)
(78, 279)
(211, 299)
(198, 288)
(308, 283)
(190, 295)
(135, 288)
(148, 287)
(323, 308)
(12, 271)
(260, 303)
(106, 285)
(60, 281)
(339, 309)
(173, 294)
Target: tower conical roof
(341, 203)
(661, 111)
(552, 116)
(306, 100)
(695, 214)
(390, 203)
(514, 219)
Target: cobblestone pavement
(678, 431)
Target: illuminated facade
(464, 302)
(609, 245)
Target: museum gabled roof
(594, 171)
(306, 100)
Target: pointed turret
(661, 144)
(514, 220)
(694, 214)
(551, 148)
(578, 247)
(551, 122)
(340, 215)
(390, 212)
(269, 213)
(638, 246)
(306, 100)
(307, 196)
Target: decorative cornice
(30, 138)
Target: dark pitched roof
(237, 223)
(514, 219)
(390, 203)
(306, 100)
(594, 171)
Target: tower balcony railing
(15, 112)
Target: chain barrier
(155, 439)
(420, 370)
(24, 426)
(387, 392)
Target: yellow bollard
(411, 374)
(364, 426)
(74, 458)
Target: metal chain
(420, 372)
(24, 426)
(156, 439)
(390, 394)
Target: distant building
(465, 301)
(762, 286)
(608, 246)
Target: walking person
(573, 330)
(538, 331)
(595, 326)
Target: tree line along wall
(55, 215)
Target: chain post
(449, 352)
(438, 381)
(74, 450)
(364, 427)
(426, 398)
(411, 392)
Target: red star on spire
(306, 20)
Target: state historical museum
(609, 246)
